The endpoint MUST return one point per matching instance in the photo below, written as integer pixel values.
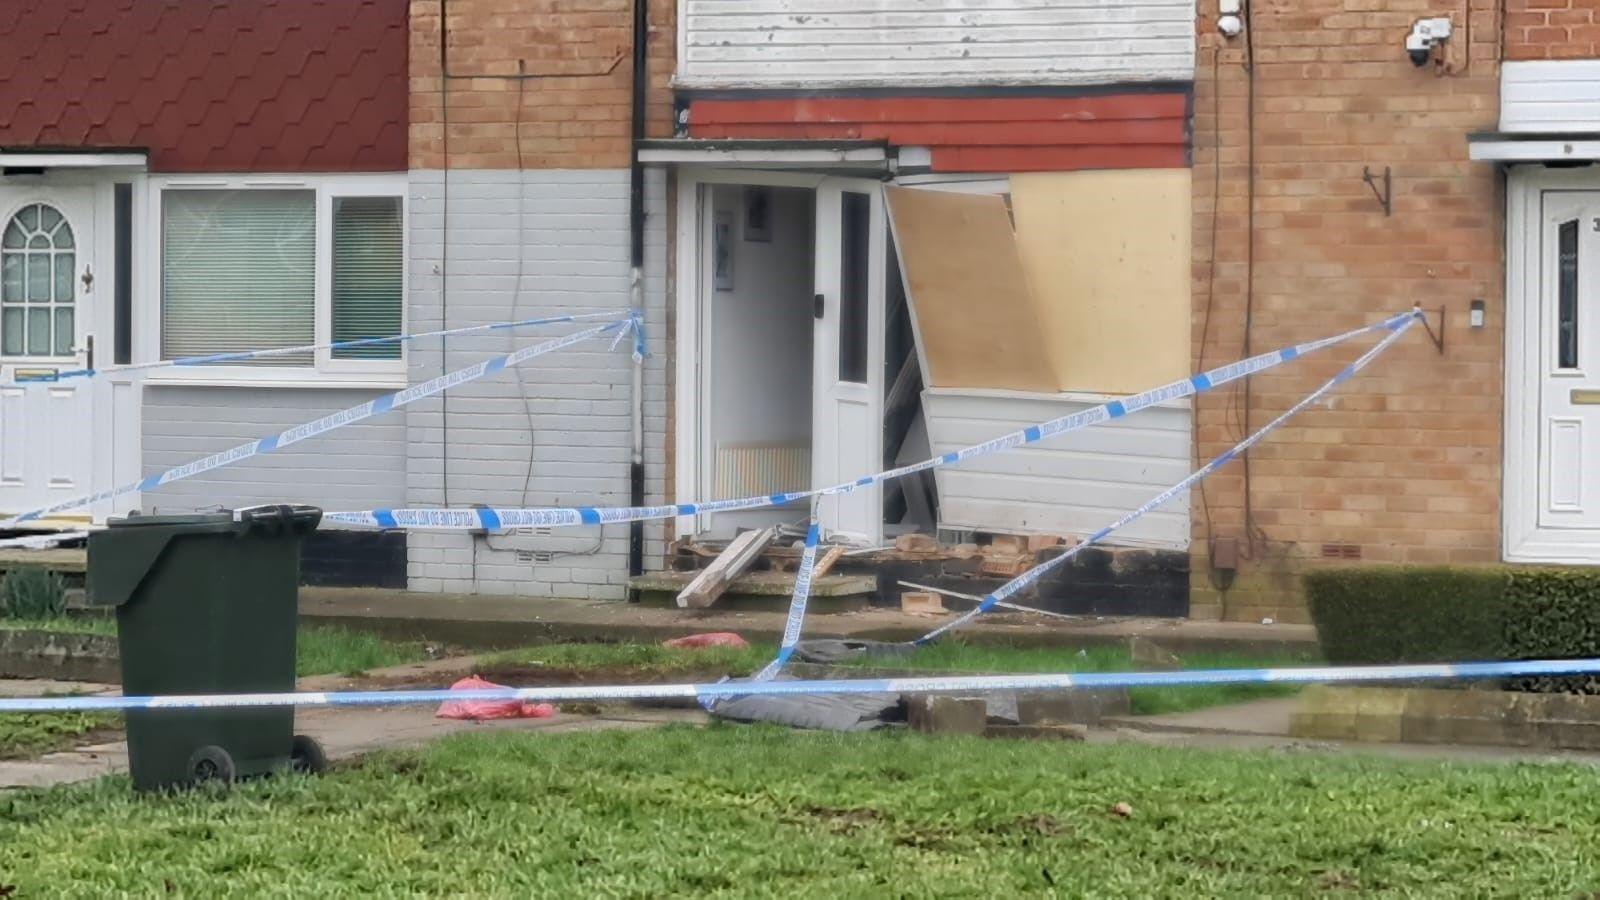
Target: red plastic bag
(713, 639)
(482, 710)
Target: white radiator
(744, 470)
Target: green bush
(1395, 614)
(1375, 615)
(1553, 614)
(32, 592)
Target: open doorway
(756, 378)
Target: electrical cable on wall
(521, 78)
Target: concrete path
(482, 621)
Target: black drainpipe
(641, 84)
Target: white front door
(47, 292)
(1569, 363)
(847, 428)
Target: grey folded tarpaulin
(822, 712)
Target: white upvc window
(258, 262)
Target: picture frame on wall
(722, 251)
(758, 214)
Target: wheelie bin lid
(122, 555)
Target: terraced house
(860, 234)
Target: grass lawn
(322, 650)
(740, 811)
(27, 735)
(946, 656)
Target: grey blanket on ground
(822, 712)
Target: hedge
(1394, 614)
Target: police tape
(327, 423)
(797, 604)
(1034, 574)
(708, 693)
(42, 541)
(216, 358)
(500, 519)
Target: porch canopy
(1534, 147)
(864, 157)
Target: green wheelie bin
(206, 604)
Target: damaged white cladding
(775, 43)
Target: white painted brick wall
(473, 446)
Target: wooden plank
(740, 554)
(827, 561)
(957, 250)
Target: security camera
(1425, 35)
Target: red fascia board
(1057, 159)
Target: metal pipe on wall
(641, 85)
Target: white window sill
(250, 377)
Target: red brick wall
(1404, 462)
(575, 104)
(1552, 29)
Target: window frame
(326, 371)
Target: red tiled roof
(209, 85)
(974, 134)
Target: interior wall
(761, 336)
(1106, 256)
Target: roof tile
(245, 85)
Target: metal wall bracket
(1386, 195)
(1437, 338)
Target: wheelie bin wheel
(306, 756)
(212, 763)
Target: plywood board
(1106, 255)
(976, 321)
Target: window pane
(368, 270)
(64, 331)
(11, 331)
(14, 237)
(238, 272)
(11, 278)
(1567, 294)
(855, 232)
(39, 332)
(48, 219)
(66, 276)
(38, 277)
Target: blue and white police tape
(499, 519)
(1034, 574)
(43, 541)
(327, 423)
(955, 684)
(215, 358)
(797, 604)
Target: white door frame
(114, 400)
(1523, 540)
(694, 374)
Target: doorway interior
(796, 358)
